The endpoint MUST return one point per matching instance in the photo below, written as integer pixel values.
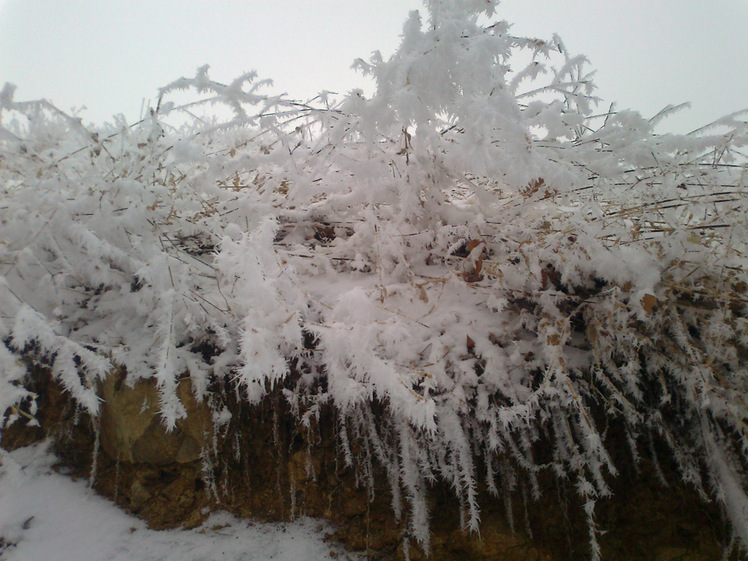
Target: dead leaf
(550, 277)
(649, 302)
(534, 186)
(474, 261)
(422, 296)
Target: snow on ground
(47, 516)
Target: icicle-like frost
(12, 392)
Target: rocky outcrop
(132, 428)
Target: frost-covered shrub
(108, 241)
(473, 250)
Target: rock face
(131, 427)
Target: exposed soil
(267, 466)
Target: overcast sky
(110, 55)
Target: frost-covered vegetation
(473, 260)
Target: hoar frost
(475, 249)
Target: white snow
(46, 516)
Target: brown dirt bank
(267, 465)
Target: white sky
(110, 55)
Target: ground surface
(45, 515)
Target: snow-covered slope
(45, 515)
